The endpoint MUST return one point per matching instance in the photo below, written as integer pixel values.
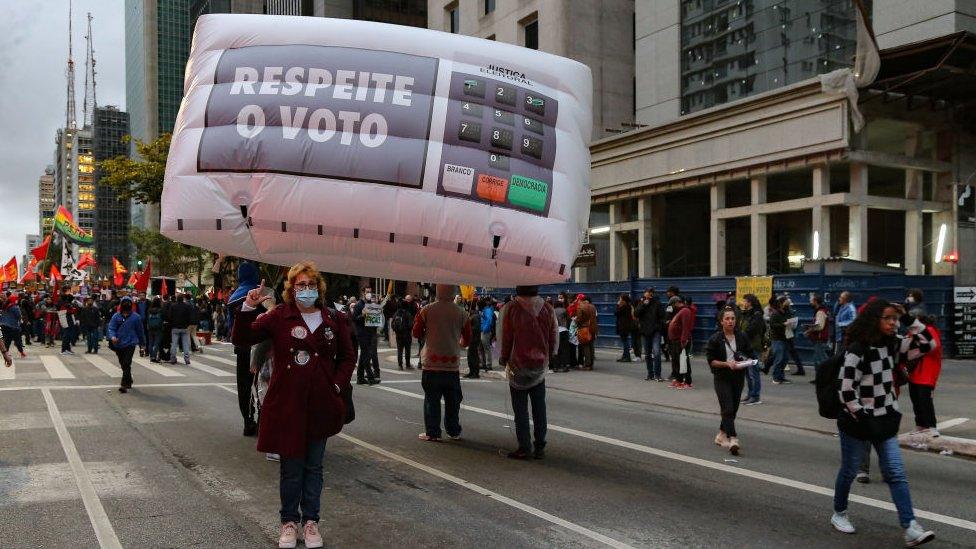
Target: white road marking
(8, 373)
(152, 367)
(596, 536)
(138, 386)
(109, 369)
(396, 372)
(949, 423)
(96, 513)
(222, 360)
(50, 482)
(55, 368)
(774, 479)
(209, 369)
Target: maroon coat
(302, 403)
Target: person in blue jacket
(125, 331)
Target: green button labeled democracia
(528, 193)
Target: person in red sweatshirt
(679, 339)
(922, 379)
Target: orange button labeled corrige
(492, 188)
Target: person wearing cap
(125, 331)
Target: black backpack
(401, 322)
(827, 384)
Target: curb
(956, 445)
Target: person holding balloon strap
(314, 360)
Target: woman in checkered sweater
(867, 389)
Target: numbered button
(498, 161)
(532, 147)
(502, 139)
(532, 125)
(471, 109)
(505, 95)
(470, 131)
(474, 87)
(504, 117)
(535, 104)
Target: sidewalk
(792, 405)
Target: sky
(33, 95)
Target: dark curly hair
(866, 327)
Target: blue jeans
(779, 360)
(892, 470)
(625, 342)
(155, 338)
(301, 484)
(754, 379)
(437, 385)
(520, 407)
(181, 340)
(820, 352)
(92, 336)
(652, 354)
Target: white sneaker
(289, 536)
(915, 535)
(932, 432)
(843, 524)
(272, 457)
(313, 539)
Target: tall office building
(112, 214)
(74, 175)
(45, 202)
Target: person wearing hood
(247, 278)
(445, 329)
(125, 331)
(530, 336)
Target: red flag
(119, 270)
(133, 278)
(40, 252)
(28, 276)
(55, 274)
(85, 260)
(142, 285)
(10, 270)
(164, 291)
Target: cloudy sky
(33, 57)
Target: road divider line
(107, 368)
(96, 513)
(55, 368)
(949, 423)
(773, 479)
(581, 530)
(156, 368)
(209, 369)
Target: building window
(530, 33)
(489, 6)
(453, 18)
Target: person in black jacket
(650, 320)
(90, 319)
(180, 316)
(726, 350)
(625, 324)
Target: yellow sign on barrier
(760, 286)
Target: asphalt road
(165, 465)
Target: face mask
(306, 298)
(369, 297)
(909, 299)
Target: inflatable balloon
(380, 150)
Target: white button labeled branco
(458, 179)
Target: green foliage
(168, 256)
(138, 179)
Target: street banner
(586, 256)
(69, 270)
(760, 286)
(40, 253)
(66, 227)
(373, 315)
(380, 150)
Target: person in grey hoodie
(530, 336)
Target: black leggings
(245, 383)
(728, 388)
(922, 403)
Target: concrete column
(646, 267)
(757, 229)
(914, 264)
(858, 218)
(717, 231)
(618, 253)
(821, 214)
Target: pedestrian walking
(10, 321)
(587, 331)
(367, 315)
(67, 309)
(650, 320)
(843, 317)
(474, 354)
(7, 360)
(923, 375)
(792, 322)
(679, 338)
(445, 329)
(486, 332)
(313, 360)
(125, 332)
(26, 302)
(626, 325)
(247, 280)
(870, 412)
(777, 336)
(90, 320)
(818, 332)
(154, 327)
(181, 316)
(530, 336)
(753, 325)
(565, 352)
(402, 326)
(729, 353)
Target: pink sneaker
(313, 538)
(289, 536)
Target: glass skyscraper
(112, 214)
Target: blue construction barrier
(705, 291)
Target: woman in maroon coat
(313, 358)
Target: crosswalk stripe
(8, 373)
(208, 369)
(55, 368)
(156, 368)
(109, 369)
(220, 359)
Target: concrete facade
(899, 22)
(598, 33)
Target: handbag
(584, 335)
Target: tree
(168, 256)
(140, 180)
